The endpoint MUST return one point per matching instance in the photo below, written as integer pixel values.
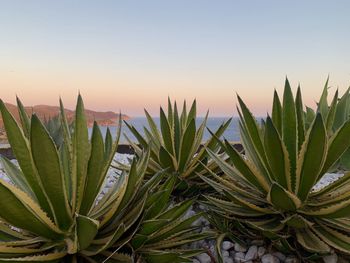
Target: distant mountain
(107, 118)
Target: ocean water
(213, 123)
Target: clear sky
(132, 54)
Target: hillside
(107, 118)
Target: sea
(213, 123)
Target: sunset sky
(127, 55)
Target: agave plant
(270, 190)
(177, 146)
(55, 209)
(52, 210)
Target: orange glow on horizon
(132, 95)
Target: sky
(131, 55)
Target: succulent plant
(177, 146)
(270, 189)
(56, 208)
(52, 209)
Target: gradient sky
(132, 54)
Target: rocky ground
(256, 251)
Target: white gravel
(327, 179)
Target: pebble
(330, 258)
(252, 253)
(228, 260)
(189, 214)
(204, 258)
(226, 245)
(239, 257)
(268, 258)
(213, 249)
(240, 248)
(280, 256)
(225, 253)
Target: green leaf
(166, 132)
(94, 177)
(170, 113)
(87, 229)
(240, 164)
(212, 142)
(108, 143)
(290, 132)
(166, 159)
(183, 117)
(137, 135)
(81, 151)
(66, 169)
(309, 117)
(47, 162)
(334, 238)
(177, 132)
(21, 149)
(23, 212)
(16, 176)
(174, 228)
(300, 118)
(134, 178)
(338, 144)
(341, 113)
(345, 160)
(47, 258)
(282, 198)
(277, 112)
(277, 155)
(178, 210)
(309, 163)
(312, 242)
(218, 249)
(161, 202)
(297, 221)
(192, 113)
(24, 117)
(154, 129)
(187, 144)
(331, 113)
(322, 106)
(252, 130)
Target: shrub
(270, 189)
(177, 145)
(52, 210)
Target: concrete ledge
(6, 151)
